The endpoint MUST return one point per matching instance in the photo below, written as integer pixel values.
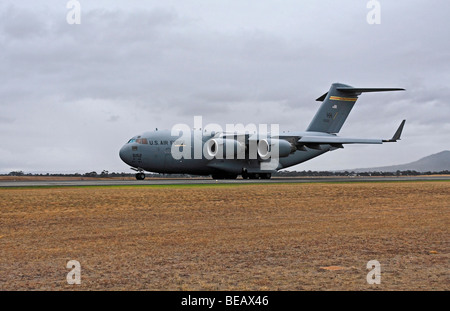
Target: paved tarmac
(196, 181)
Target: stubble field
(316, 236)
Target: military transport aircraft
(251, 154)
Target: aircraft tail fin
(336, 106)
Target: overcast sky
(72, 95)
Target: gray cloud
(77, 92)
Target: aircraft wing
(336, 140)
(314, 141)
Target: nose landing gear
(140, 176)
(140, 173)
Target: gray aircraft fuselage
(154, 151)
(155, 156)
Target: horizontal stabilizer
(322, 98)
(358, 91)
(353, 90)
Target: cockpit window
(142, 141)
(139, 141)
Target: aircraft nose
(124, 154)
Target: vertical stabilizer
(333, 112)
(336, 106)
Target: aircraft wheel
(254, 176)
(266, 176)
(140, 176)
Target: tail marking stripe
(348, 99)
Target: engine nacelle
(266, 146)
(223, 148)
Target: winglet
(397, 134)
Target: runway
(206, 181)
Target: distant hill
(433, 163)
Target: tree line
(309, 173)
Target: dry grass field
(316, 236)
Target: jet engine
(220, 148)
(266, 146)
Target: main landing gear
(246, 175)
